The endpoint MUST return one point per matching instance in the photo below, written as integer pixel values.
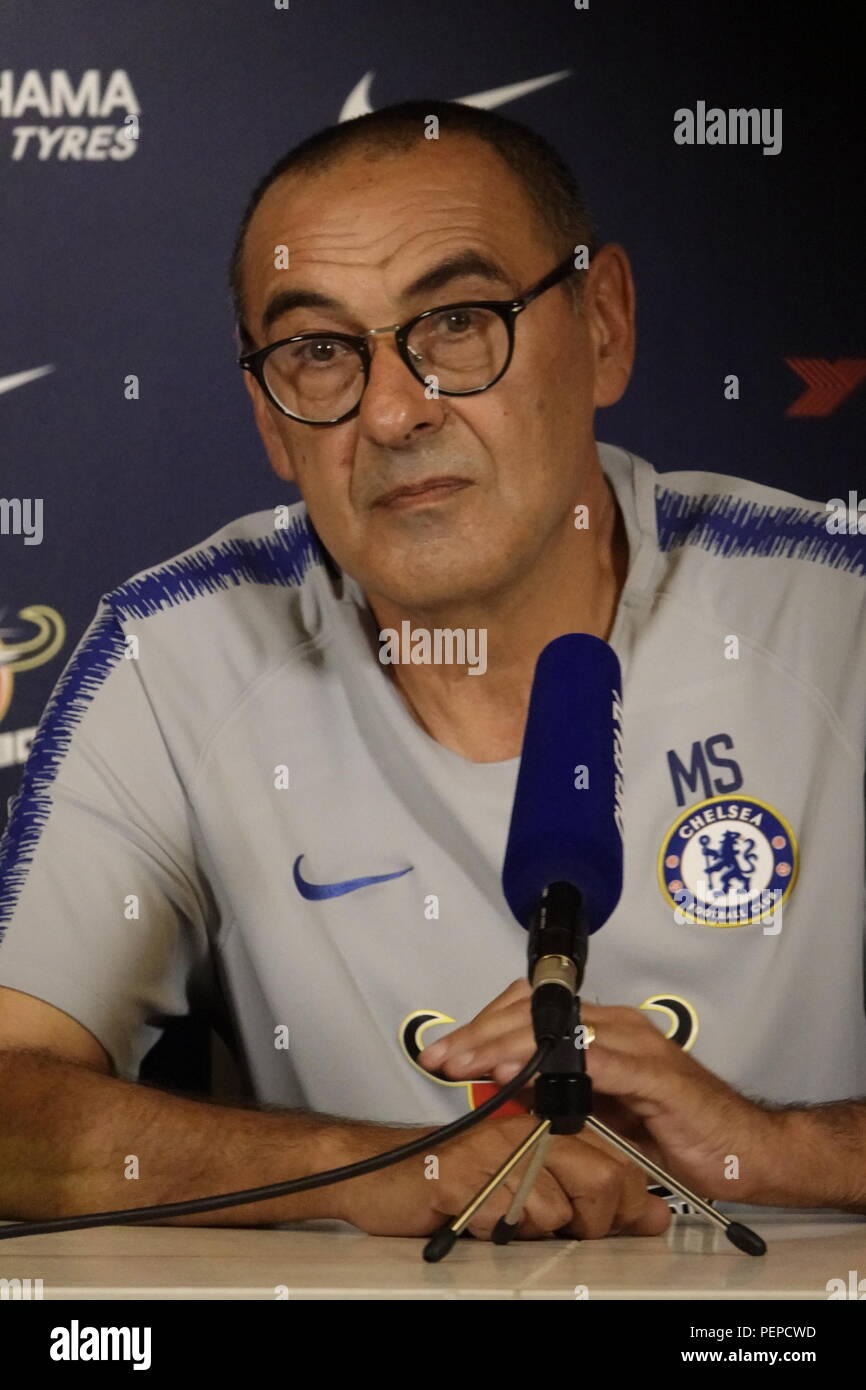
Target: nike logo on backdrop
(358, 102)
(8, 383)
(314, 892)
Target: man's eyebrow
(462, 264)
(285, 300)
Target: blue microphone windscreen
(566, 823)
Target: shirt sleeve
(104, 911)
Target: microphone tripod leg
(507, 1225)
(442, 1240)
(741, 1236)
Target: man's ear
(268, 432)
(609, 305)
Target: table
(330, 1260)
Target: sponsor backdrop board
(131, 134)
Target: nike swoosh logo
(358, 102)
(9, 383)
(314, 892)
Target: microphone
(562, 873)
(562, 878)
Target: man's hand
(676, 1111)
(583, 1186)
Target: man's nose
(395, 405)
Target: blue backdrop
(114, 266)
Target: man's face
(509, 461)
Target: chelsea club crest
(727, 862)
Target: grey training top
(241, 794)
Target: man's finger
(654, 1219)
(495, 1036)
(593, 1183)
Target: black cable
(126, 1216)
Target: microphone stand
(563, 1087)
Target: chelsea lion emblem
(727, 862)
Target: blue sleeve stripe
(729, 525)
(88, 667)
(282, 558)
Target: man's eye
(456, 321)
(322, 352)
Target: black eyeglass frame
(507, 310)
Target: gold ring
(588, 1034)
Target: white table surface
(329, 1260)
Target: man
(250, 794)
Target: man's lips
(428, 490)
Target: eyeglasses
(458, 350)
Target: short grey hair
(549, 183)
